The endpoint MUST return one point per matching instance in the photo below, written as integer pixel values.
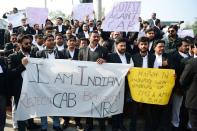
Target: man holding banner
(143, 60)
(121, 56)
(93, 52)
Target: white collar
(157, 56)
(195, 56)
(60, 47)
(121, 55)
(25, 54)
(183, 54)
(93, 49)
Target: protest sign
(185, 32)
(15, 19)
(151, 86)
(71, 88)
(80, 11)
(124, 16)
(36, 15)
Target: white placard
(71, 88)
(80, 11)
(123, 16)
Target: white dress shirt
(158, 61)
(40, 47)
(60, 28)
(86, 34)
(183, 55)
(195, 56)
(51, 55)
(71, 53)
(145, 61)
(93, 49)
(150, 45)
(122, 58)
(60, 48)
(1, 70)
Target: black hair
(58, 34)
(60, 18)
(71, 37)
(174, 27)
(47, 36)
(143, 39)
(20, 40)
(38, 36)
(119, 40)
(149, 30)
(157, 42)
(157, 21)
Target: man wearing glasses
(171, 40)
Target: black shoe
(88, 128)
(102, 128)
(65, 125)
(33, 126)
(57, 128)
(43, 130)
(79, 126)
(123, 128)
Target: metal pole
(98, 9)
(45, 3)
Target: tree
(194, 26)
(54, 14)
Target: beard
(28, 49)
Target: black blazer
(29, 30)
(40, 32)
(64, 29)
(3, 77)
(188, 80)
(176, 62)
(114, 58)
(44, 54)
(138, 60)
(67, 54)
(34, 49)
(81, 34)
(15, 68)
(84, 53)
(164, 58)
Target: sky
(167, 10)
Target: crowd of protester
(151, 47)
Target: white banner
(123, 16)
(80, 11)
(36, 15)
(71, 88)
(186, 32)
(15, 19)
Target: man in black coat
(25, 28)
(121, 56)
(11, 46)
(50, 52)
(176, 63)
(16, 67)
(142, 59)
(188, 80)
(3, 93)
(71, 53)
(96, 53)
(60, 28)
